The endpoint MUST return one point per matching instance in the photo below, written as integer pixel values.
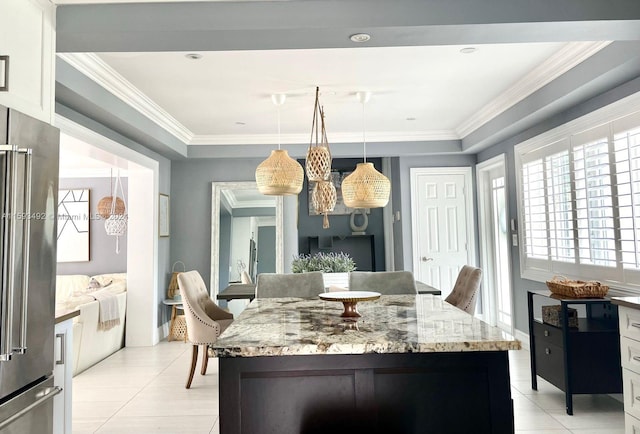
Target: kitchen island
(410, 364)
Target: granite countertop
(63, 314)
(391, 324)
(632, 302)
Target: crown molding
(99, 71)
(294, 139)
(570, 55)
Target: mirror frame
(216, 191)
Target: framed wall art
(163, 215)
(73, 225)
(340, 208)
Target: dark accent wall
(311, 225)
(102, 247)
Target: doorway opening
(494, 243)
(141, 327)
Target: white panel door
(441, 228)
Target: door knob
(425, 259)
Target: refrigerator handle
(41, 397)
(26, 242)
(9, 254)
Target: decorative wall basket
(105, 206)
(318, 161)
(323, 199)
(366, 188)
(279, 174)
(173, 291)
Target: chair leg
(194, 362)
(205, 359)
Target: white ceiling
(419, 93)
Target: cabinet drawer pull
(636, 358)
(636, 325)
(546, 333)
(547, 350)
(637, 398)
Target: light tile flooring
(141, 390)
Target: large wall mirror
(246, 230)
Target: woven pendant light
(365, 187)
(323, 199)
(318, 161)
(106, 207)
(279, 174)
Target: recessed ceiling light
(360, 37)
(468, 50)
(193, 56)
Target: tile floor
(141, 390)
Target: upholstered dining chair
(303, 285)
(465, 290)
(205, 320)
(384, 282)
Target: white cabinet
(63, 376)
(630, 360)
(27, 40)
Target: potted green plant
(335, 266)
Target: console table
(578, 360)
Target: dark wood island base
(439, 392)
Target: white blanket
(109, 313)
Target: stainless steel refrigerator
(28, 200)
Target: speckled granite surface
(391, 324)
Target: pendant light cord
(279, 140)
(364, 140)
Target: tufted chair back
(205, 320)
(465, 290)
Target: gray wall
(102, 247)
(519, 285)
(225, 248)
(191, 206)
(311, 226)
(266, 247)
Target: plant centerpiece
(335, 266)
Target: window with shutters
(579, 204)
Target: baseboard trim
(524, 339)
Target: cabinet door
(62, 376)
(27, 31)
